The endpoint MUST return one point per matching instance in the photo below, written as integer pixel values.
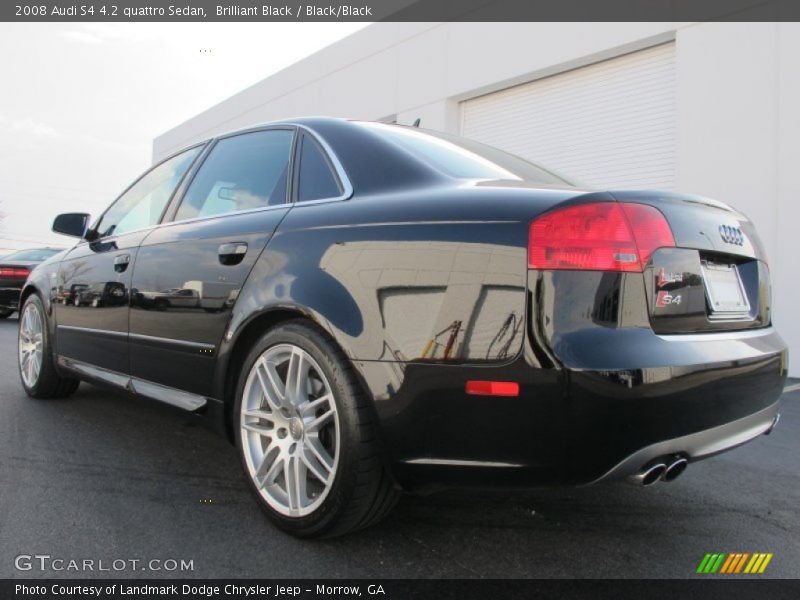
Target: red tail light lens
(14, 272)
(600, 236)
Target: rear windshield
(463, 158)
(33, 255)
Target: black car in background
(367, 308)
(14, 270)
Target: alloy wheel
(31, 339)
(290, 430)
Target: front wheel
(306, 436)
(37, 369)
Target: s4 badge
(664, 299)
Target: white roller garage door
(610, 124)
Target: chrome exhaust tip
(649, 475)
(674, 469)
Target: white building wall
(737, 90)
(611, 124)
(785, 257)
(416, 70)
(739, 138)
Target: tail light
(14, 272)
(599, 236)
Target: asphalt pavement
(103, 476)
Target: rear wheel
(37, 369)
(306, 436)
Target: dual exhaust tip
(662, 470)
(669, 468)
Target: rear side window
(143, 203)
(463, 158)
(242, 172)
(316, 180)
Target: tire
(4, 314)
(40, 378)
(359, 490)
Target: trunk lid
(716, 278)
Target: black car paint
(96, 333)
(597, 382)
(177, 346)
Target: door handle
(232, 253)
(121, 262)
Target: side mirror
(72, 224)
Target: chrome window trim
(208, 145)
(172, 211)
(341, 174)
(284, 206)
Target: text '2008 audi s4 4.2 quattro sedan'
(368, 308)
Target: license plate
(724, 290)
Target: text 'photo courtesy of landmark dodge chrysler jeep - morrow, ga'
(368, 308)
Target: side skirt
(141, 387)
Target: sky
(81, 103)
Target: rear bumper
(713, 392)
(9, 298)
(693, 396)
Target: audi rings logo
(731, 235)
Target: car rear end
(656, 308)
(12, 277)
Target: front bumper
(9, 298)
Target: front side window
(316, 180)
(144, 202)
(242, 172)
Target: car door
(189, 271)
(94, 277)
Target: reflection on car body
(366, 308)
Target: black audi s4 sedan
(368, 308)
